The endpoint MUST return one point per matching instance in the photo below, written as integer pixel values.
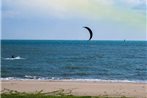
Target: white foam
(100, 80)
(27, 77)
(16, 58)
(10, 78)
(30, 77)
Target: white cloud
(54, 8)
(135, 2)
(62, 8)
(105, 2)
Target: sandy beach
(79, 88)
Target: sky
(64, 19)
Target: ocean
(124, 61)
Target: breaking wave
(28, 77)
(15, 58)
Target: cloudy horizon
(64, 19)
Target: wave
(27, 77)
(15, 58)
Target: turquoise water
(89, 60)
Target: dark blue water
(104, 60)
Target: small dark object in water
(12, 56)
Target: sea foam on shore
(78, 80)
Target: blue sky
(64, 19)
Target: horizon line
(78, 39)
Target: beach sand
(79, 88)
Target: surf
(15, 58)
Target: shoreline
(66, 80)
(79, 88)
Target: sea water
(74, 60)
